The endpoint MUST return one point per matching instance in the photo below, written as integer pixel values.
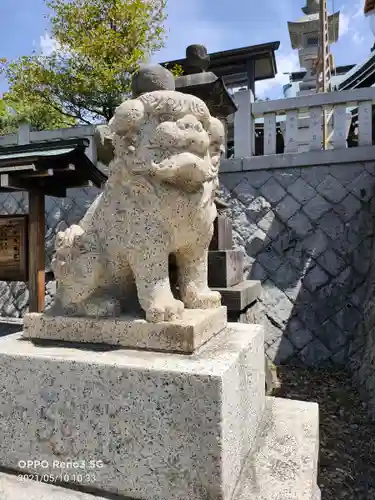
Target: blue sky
(218, 24)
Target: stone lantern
(305, 36)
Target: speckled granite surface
(282, 467)
(184, 335)
(165, 426)
(284, 463)
(158, 201)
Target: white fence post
(339, 127)
(24, 133)
(244, 134)
(291, 133)
(365, 123)
(269, 142)
(316, 129)
(91, 151)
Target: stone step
(284, 464)
(222, 238)
(238, 297)
(225, 268)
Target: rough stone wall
(362, 349)
(308, 236)
(60, 213)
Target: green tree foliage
(14, 110)
(7, 123)
(177, 70)
(101, 43)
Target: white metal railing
(308, 108)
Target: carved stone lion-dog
(157, 202)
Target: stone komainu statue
(158, 201)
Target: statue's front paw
(206, 299)
(164, 310)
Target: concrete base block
(163, 426)
(283, 465)
(194, 329)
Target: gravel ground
(347, 434)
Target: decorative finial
(152, 77)
(312, 7)
(197, 59)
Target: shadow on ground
(347, 434)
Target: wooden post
(250, 71)
(36, 251)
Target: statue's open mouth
(180, 168)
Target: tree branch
(60, 110)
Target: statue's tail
(68, 246)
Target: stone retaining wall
(60, 213)
(361, 359)
(308, 235)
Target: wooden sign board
(13, 248)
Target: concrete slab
(283, 466)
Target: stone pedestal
(283, 466)
(184, 335)
(153, 426)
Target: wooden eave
(49, 167)
(361, 76)
(232, 64)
